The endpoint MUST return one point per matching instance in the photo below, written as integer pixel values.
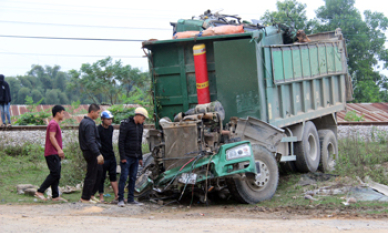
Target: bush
(120, 113)
(33, 117)
(352, 116)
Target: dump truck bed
(254, 74)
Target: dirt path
(76, 218)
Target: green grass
(26, 165)
(363, 158)
(357, 158)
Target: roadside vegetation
(25, 164)
(358, 158)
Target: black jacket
(89, 139)
(130, 139)
(106, 136)
(5, 93)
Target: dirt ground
(76, 217)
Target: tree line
(104, 82)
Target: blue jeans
(128, 168)
(4, 109)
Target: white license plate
(188, 178)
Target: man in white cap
(130, 143)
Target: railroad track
(44, 127)
(151, 126)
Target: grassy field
(26, 165)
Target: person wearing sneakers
(90, 146)
(106, 135)
(53, 154)
(5, 101)
(131, 156)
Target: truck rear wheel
(256, 188)
(307, 151)
(329, 150)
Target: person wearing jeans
(130, 142)
(53, 153)
(5, 114)
(5, 101)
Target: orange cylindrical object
(201, 76)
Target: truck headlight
(238, 152)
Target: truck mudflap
(231, 159)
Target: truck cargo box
(254, 74)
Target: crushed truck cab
(231, 159)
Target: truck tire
(329, 150)
(307, 151)
(252, 189)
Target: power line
(79, 25)
(89, 13)
(95, 7)
(70, 55)
(70, 38)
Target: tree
(105, 80)
(365, 44)
(14, 86)
(63, 99)
(52, 97)
(22, 94)
(290, 13)
(36, 95)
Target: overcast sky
(114, 19)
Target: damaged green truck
(274, 105)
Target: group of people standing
(97, 149)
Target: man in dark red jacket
(5, 101)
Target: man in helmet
(130, 142)
(106, 134)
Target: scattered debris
(383, 189)
(313, 178)
(309, 197)
(30, 189)
(21, 188)
(367, 194)
(350, 200)
(302, 37)
(71, 189)
(336, 189)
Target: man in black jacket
(90, 146)
(5, 101)
(131, 156)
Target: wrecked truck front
(231, 159)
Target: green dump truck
(279, 99)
